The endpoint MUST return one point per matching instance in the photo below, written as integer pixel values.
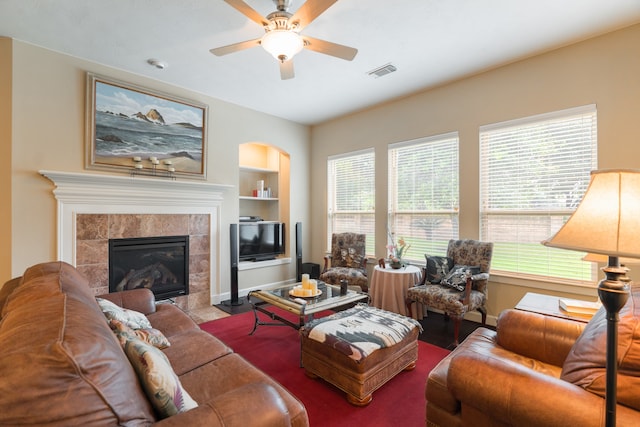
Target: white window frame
(361, 217)
(517, 224)
(420, 171)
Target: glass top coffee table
(303, 307)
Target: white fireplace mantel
(87, 193)
(84, 188)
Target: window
(351, 195)
(533, 174)
(423, 194)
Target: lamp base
(613, 291)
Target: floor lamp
(607, 222)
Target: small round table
(388, 289)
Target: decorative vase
(395, 264)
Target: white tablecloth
(388, 289)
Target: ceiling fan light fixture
(282, 44)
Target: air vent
(382, 71)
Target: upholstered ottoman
(360, 349)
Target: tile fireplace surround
(93, 208)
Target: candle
(307, 292)
(305, 281)
(153, 159)
(314, 286)
(137, 159)
(139, 166)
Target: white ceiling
(429, 41)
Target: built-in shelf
(266, 199)
(264, 162)
(261, 170)
(250, 265)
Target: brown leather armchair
(537, 370)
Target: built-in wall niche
(263, 182)
(259, 193)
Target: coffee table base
(257, 307)
(303, 309)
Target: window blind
(533, 174)
(351, 195)
(424, 194)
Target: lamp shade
(604, 259)
(282, 44)
(607, 220)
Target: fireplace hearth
(160, 264)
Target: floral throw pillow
(437, 268)
(151, 335)
(160, 383)
(131, 318)
(457, 277)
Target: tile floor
(206, 314)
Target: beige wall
(48, 116)
(603, 71)
(5, 153)
(42, 109)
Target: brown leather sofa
(61, 365)
(537, 370)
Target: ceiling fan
(282, 37)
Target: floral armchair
(347, 261)
(457, 283)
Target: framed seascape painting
(133, 129)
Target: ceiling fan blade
(286, 69)
(328, 48)
(225, 50)
(247, 11)
(309, 11)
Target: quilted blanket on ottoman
(361, 330)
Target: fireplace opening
(157, 263)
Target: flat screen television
(260, 241)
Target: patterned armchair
(347, 261)
(456, 291)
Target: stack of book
(575, 306)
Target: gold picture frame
(134, 129)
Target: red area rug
(276, 351)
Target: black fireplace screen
(158, 263)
